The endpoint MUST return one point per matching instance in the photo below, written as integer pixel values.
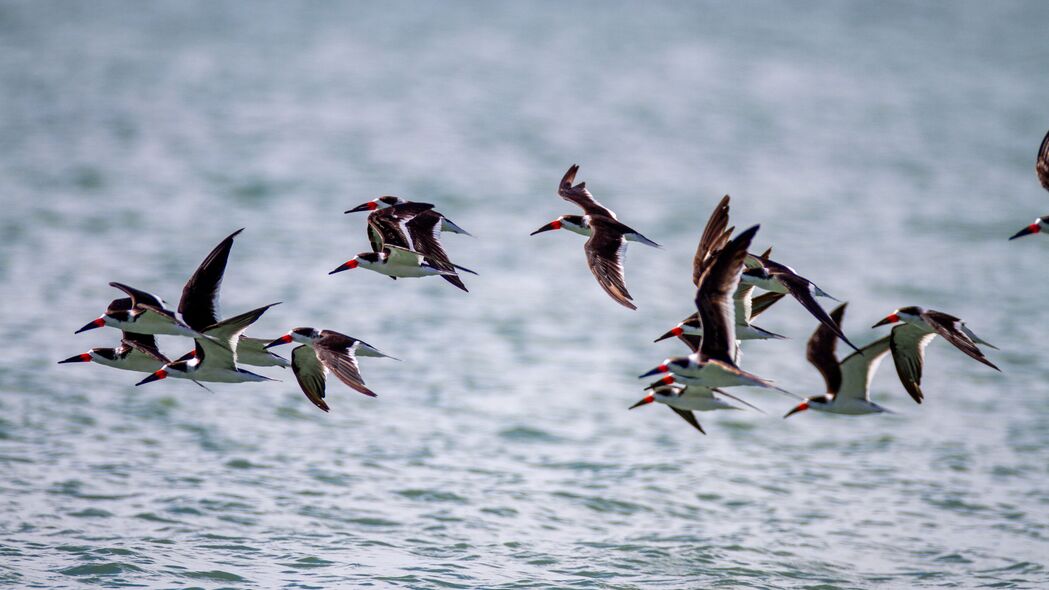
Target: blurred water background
(887, 148)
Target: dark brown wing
(425, 231)
(309, 372)
(580, 196)
(820, 351)
(712, 239)
(604, 255)
(764, 301)
(1041, 165)
(139, 297)
(199, 305)
(949, 326)
(798, 287)
(146, 344)
(386, 227)
(340, 360)
(688, 417)
(714, 299)
(692, 341)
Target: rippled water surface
(886, 148)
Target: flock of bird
(405, 240)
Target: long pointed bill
(157, 376)
(92, 325)
(369, 206)
(282, 340)
(677, 331)
(555, 224)
(346, 266)
(668, 380)
(1030, 229)
(799, 408)
(656, 371)
(889, 319)
(645, 400)
(80, 358)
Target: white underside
(135, 361)
(151, 323)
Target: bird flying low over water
(848, 382)
(324, 352)
(687, 399)
(780, 278)
(713, 365)
(909, 339)
(146, 314)
(405, 241)
(606, 246)
(215, 356)
(1041, 168)
(389, 201)
(137, 352)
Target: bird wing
(950, 328)
(402, 256)
(857, 369)
(139, 297)
(122, 304)
(220, 345)
(714, 299)
(310, 374)
(820, 351)
(387, 227)
(688, 417)
(798, 287)
(712, 239)
(579, 195)
(199, 305)
(425, 231)
(340, 360)
(907, 343)
(146, 344)
(1041, 165)
(605, 250)
(743, 303)
(762, 302)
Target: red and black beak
(92, 325)
(656, 371)
(668, 380)
(799, 408)
(369, 206)
(157, 376)
(1030, 229)
(345, 266)
(80, 358)
(282, 340)
(555, 224)
(677, 331)
(889, 319)
(645, 400)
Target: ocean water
(886, 148)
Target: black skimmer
(389, 201)
(322, 353)
(848, 382)
(141, 313)
(909, 339)
(215, 357)
(713, 365)
(779, 278)
(393, 262)
(137, 352)
(1041, 168)
(686, 399)
(607, 241)
(306, 335)
(199, 306)
(394, 231)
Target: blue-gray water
(886, 148)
